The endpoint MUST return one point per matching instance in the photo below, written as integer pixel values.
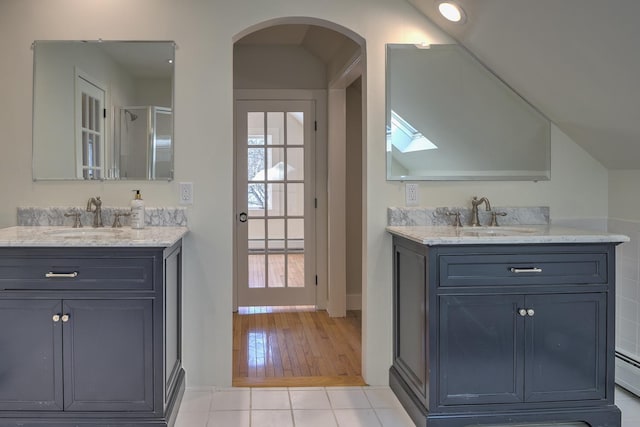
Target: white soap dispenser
(137, 211)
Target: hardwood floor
(276, 276)
(296, 349)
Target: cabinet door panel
(173, 334)
(566, 347)
(410, 348)
(481, 349)
(30, 356)
(108, 361)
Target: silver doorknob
(56, 318)
(530, 312)
(65, 318)
(522, 312)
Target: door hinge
(315, 203)
(316, 280)
(104, 113)
(315, 125)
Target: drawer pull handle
(64, 318)
(525, 270)
(70, 275)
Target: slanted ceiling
(578, 61)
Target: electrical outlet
(411, 194)
(185, 193)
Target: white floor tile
(195, 401)
(231, 400)
(382, 398)
(394, 418)
(229, 419)
(309, 399)
(270, 399)
(357, 418)
(192, 419)
(314, 418)
(271, 419)
(348, 399)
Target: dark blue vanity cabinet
(90, 336)
(492, 334)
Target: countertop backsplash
(418, 216)
(54, 216)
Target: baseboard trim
(354, 302)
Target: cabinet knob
(530, 312)
(522, 312)
(64, 318)
(56, 318)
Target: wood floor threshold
(328, 381)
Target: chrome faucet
(475, 221)
(97, 212)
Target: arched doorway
(296, 86)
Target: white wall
(204, 31)
(269, 67)
(624, 218)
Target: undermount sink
(87, 232)
(496, 231)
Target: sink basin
(496, 231)
(87, 232)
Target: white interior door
(90, 129)
(275, 212)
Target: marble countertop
(524, 234)
(23, 236)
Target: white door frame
(337, 212)
(319, 96)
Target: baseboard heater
(628, 373)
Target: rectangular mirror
(450, 118)
(103, 110)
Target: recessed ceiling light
(452, 11)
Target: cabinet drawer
(522, 269)
(45, 273)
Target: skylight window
(405, 138)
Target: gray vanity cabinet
(488, 355)
(90, 336)
(490, 334)
(40, 352)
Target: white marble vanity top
(524, 234)
(88, 236)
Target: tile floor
(289, 407)
(320, 407)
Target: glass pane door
(276, 200)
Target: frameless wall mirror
(103, 110)
(449, 118)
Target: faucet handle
(76, 219)
(494, 218)
(456, 220)
(116, 219)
